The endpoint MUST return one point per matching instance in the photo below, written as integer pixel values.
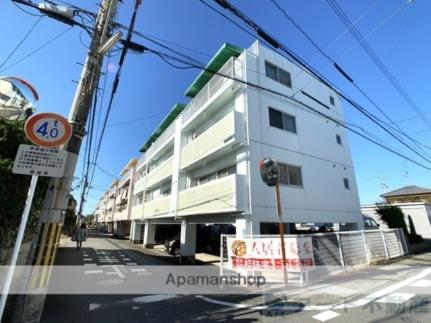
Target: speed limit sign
(48, 129)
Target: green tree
(14, 188)
(393, 216)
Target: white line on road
(361, 302)
(136, 270)
(99, 271)
(325, 316)
(135, 300)
(118, 271)
(131, 264)
(396, 298)
(422, 283)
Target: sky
(149, 87)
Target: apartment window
(331, 100)
(271, 71)
(216, 175)
(139, 198)
(338, 137)
(290, 175)
(148, 196)
(165, 191)
(278, 74)
(282, 120)
(346, 183)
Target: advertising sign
(265, 253)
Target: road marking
(131, 264)
(88, 259)
(361, 302)
(396, 298)
(92, 264)
(99, 271)
(421, 283)
(136, 300)
(118, 271)
(127, 259)
(136, 270)
(325, 316)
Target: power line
(21, 41)
(391, 123)
(36, 50)
(380, 25)
(292, 99)
(135, 120)
(25, 11)
(297, 60)
(376, 59)
(116, 81)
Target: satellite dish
(18, 98)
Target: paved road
(403, 294)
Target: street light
(106, 47)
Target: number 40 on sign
(48, 129)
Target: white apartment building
(200, 166)
(114, 207)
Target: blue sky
(149, 87)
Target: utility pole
(281, 231)
(270, 174)
(45, 244)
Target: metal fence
(335, 252)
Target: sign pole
(281, 230)
(18, 242)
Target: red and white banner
(265, 253)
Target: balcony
(137, 212)
(161, 141)
(224, 195)
(160, 173)
(121, 215)
(232, 69)
(139, 185)
(157, 207)
(219, 138)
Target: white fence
(337, 251)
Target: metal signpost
(47, 130)
(270, 174)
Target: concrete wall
(324, 162)
(419, 212)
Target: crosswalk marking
(422, 283)
(325, 316)
(99, 271)
(396, 298)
